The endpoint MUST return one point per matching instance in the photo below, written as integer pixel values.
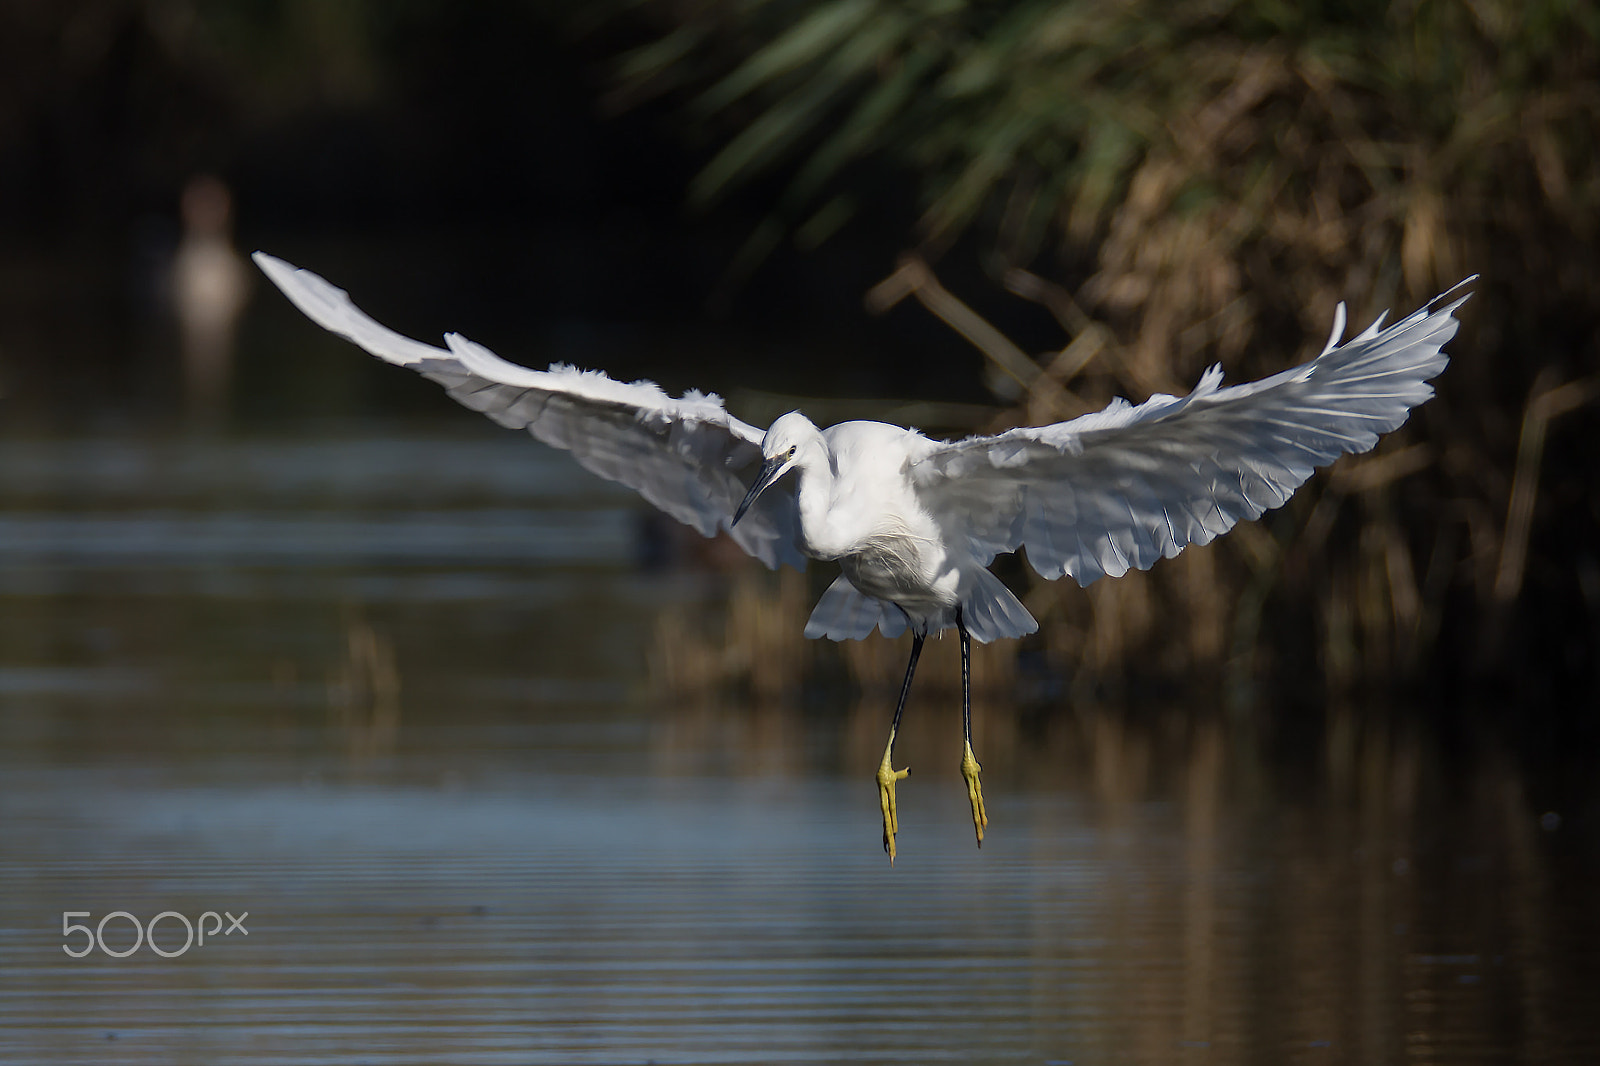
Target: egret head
(786, 442)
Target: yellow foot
(887, 776)
(970, 770)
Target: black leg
(887, 774)
(966, 678)
(969, 764)
(905, 687)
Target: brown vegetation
(1180, 184)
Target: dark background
(491, 168)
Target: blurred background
(1323, 789)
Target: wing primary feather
(626, 432)
(1337, 331)
(1130, 484)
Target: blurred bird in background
(210, 287)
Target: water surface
(393, 697)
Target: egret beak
(771, 470)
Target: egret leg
(887, 774)
(969, 765)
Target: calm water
(393, 697)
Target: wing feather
(687, 456)
(1118, 489)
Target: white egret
(914, 523)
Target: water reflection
(469, 824)
(364, 694)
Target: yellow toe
(970, 770)
(887, 776)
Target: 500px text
(142, 933)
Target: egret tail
(990, 612)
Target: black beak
(771, 470)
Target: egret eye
(791, 452)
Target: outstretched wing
(688, 456)
(1121, 488)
